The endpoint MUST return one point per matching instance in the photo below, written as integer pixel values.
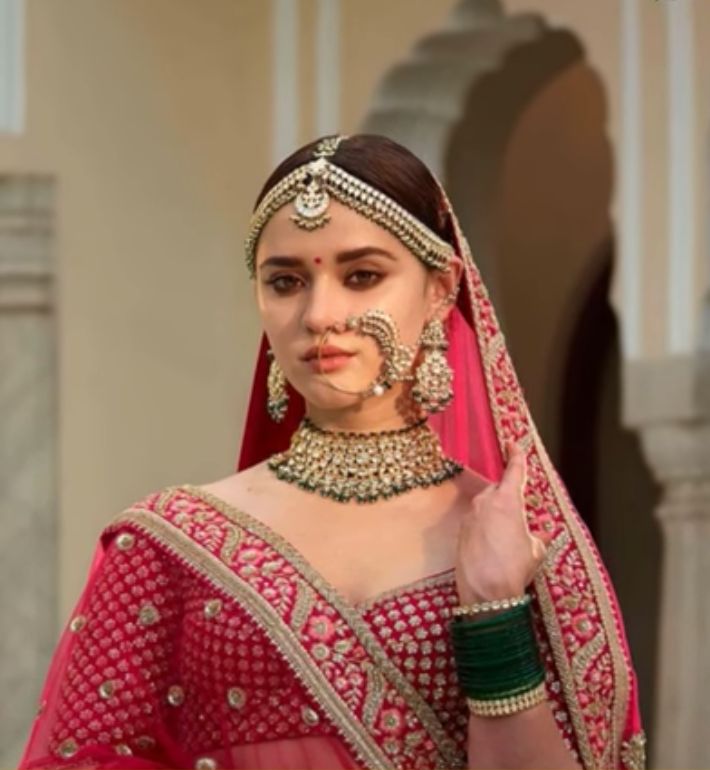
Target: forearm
(528, 739)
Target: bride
(395, 577)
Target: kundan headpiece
(311, 186)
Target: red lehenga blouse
(203, 639)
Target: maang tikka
(277, 395)
(313, 185)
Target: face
(308, 280)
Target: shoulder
(248, 480)
(173, 506)
(157, 501)
(248, 490)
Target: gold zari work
(212, 608)
(633, 752)
(176, 695)
(148, 615)
(363, 466)
(67, 748)
(77, 623)
(107, 689)
(236, 697)
(311, 186)
(125, 541)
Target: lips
(327, 351)
(331, 359)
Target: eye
(364, 278)
(282, 283)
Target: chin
(321, 396)
(324, 398)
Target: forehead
(346, 230)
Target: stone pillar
(679, 454)
(661, 288)
(28, 499)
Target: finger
(514, 474)
(539, 548)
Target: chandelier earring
(433, 377)
(277, 401)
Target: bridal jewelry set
(497, 659)
(363, 466)
(372, 466)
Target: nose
(321, 308)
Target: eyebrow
(341, 257)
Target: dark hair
(387, 166)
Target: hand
(497, 555)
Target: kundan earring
(277, 401)
(432, 378)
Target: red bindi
(317, 260)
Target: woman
(355, 596)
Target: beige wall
(150, 118)
(377, 36)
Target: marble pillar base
(680, 456)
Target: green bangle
(497, 657)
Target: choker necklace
(363, 466)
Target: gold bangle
(496, 604)
(501, 707)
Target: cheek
(280, 326)
(408, 313)
(411, 329)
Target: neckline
(296, 557)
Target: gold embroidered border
(621, 671)
(555, 548)
(416, 702)
(564, 670)
(227, 582)
(305, 599)
(585, 655)
(416, 585)
(374, 695)
(231, 543)
(633, 752)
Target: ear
(440, 286)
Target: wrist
(471, 595)
(485, 609)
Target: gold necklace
(363, 466)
